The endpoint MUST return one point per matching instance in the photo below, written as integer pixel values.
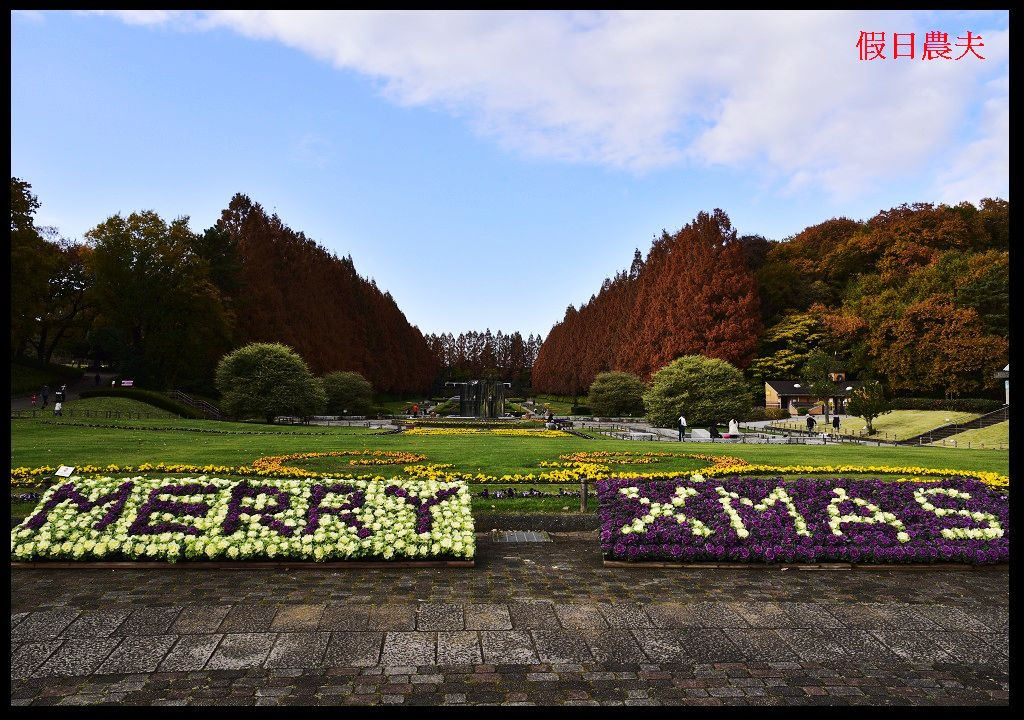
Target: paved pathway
(532, 623)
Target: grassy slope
(44, 442)
(114, 404)
(993, 436)
(898, 423)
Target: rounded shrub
(264, 380)
(614, 394)
(348, 393)
(703, 389)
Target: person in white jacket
(682, 428)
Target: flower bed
(206, 518)
(745, 519)
(506, 432)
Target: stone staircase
(941, 433)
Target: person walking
(96, 380)
(810, 423)
(45, 392)
(33, 401)
(682, 427)
(835, 424)
(58, 406)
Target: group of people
(811, 423)
(58, 399)
(734, 428)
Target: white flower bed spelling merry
(203, 518)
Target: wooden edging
(655, 565)
(277, 565)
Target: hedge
(972, 405)
(762, 413)
(147, 396)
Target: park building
(792, 395)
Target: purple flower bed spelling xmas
(742, 519)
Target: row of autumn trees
(471, 355)
(164, 303)
(916, 297)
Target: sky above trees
(490, 169)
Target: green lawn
(114, 405)
(896, 425)
(994, 436)
(52, 442)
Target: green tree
(616, 393)
(348, 392)
(31, 261)
(816, 375)
(154, 292)
(869, 401)
(265, 380)
(703, 389)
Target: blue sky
(490, 169)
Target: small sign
(127, 383)
(64, 471)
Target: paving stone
(43, 625)
(967, 648)
(238, 651)
(995, 617)
(557, 646)
(512, 647)
(352, 617)
(882, 616)
(999, 642)
(97, 623)
(354, 649)
(440, 616)
(409, 648)
(698, 614)
(137, 654)
(625, 615)
(912, 645)
(17, 618)
(533, 616)
(77, 656)
(810, 615)
(149, 621)
(26, 658)
(297, 617)
(190, 652)
(488, 616)
(687, 645)
(950, 617)
(248, 618)
(814, 645)
(865, 646)
(195, 619)
(298, 650)
(458, 648)
(761, 645)
(614, 647)
(392, 617)
(580, 617)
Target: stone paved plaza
(533, 623)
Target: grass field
(897, 425)
(132, 442)
(116, 405)
(993, 436)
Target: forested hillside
(917, 296)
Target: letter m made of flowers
(115, 499)
(655, 510)
(778, 495)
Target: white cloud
(781, 93)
